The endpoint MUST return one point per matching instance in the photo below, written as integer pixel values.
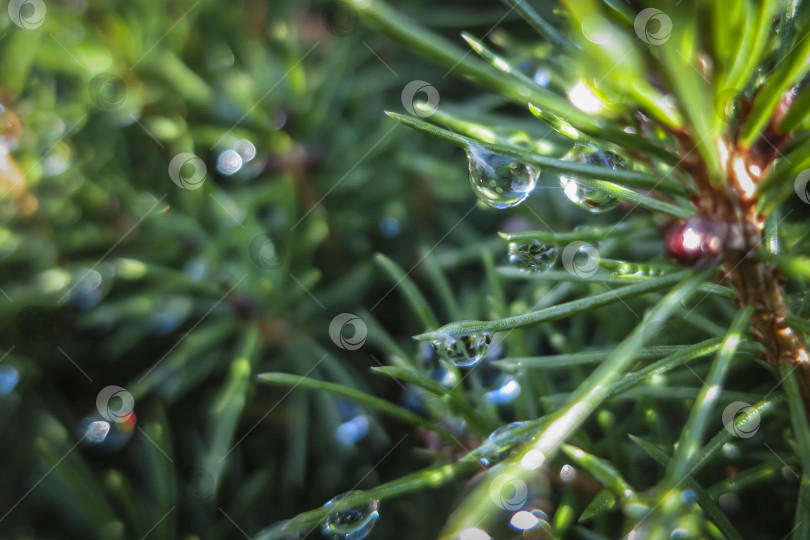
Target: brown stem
(758, 284)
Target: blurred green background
(193, 191)
(113, 274)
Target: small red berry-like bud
(698, 241)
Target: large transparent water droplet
(532, 255)
(585, 197)
(351, 523)
(499, 181)
(499, 442)
(463, 351)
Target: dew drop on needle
(499, 181)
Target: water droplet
(97, 431)
(532, 256)
(106, 437)
(437, 370)
(355, 423)
(498, 443)
(279, 120)
(229, 162)
(508, 389)
(473, 534)
(499, 181)
(245, 149)
(464, 351)
(506, 431)
(350, 523)
(352, 431)
(585, 197)
(528, 520)
(731, 451)
(542, 77)
(9, 377)
(567, 473)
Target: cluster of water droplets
(588, 198)
(353, 523)
(230, 161)
(502, 181)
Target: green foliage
(259, 310)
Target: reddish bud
(698, 241)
